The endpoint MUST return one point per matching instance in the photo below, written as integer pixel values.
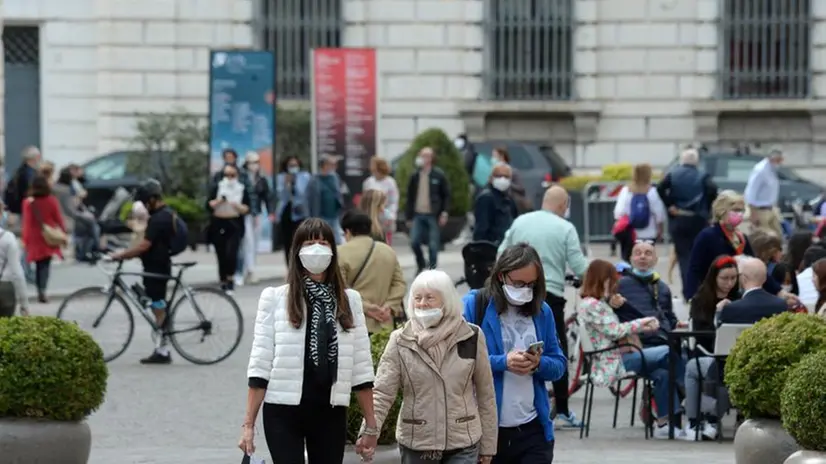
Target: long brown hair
(819, 269)
(315, 229)
(599, 272)
(372, 203)
(641, 178)
(704, 303)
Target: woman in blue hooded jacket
(524, 353)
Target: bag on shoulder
(52, 235)
(480, 305)
(640, 211)
(180, 236)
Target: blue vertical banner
(242, 115)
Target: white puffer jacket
(278, 351)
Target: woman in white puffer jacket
(310, 351)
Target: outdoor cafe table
(675, 338)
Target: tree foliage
(173, 148)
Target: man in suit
(756, 303)
(364, 264)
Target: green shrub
(293, 134)
(388, 430)
(578, 183)
(448, 159)
(49, 369)
(803, 402)
(763, 356)
(191, 211)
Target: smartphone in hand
(534, 348)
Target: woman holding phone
(524, 353)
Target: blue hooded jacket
(551, 365)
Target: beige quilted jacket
(440, 411)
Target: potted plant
(756, 371)
(52, 376)
(803, 409)
(388, 430)
(449, 160)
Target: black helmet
(151, 188)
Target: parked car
(108, 172)
(537, 165)
(731, 170)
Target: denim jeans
(656, 369)
(425, 230)
(469, 455)
(699, 371)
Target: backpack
(180, 236)
(640, 211)
(11, 197)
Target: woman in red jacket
(41, 209)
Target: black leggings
(226, 238)
(323, 428)
(41, 274)
(557, 305)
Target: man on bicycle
(154, 250)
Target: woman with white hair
(440, 363)
(722, 237)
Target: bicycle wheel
(112, 327)
(210, 315)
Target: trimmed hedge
(49, 369)
(803, 402)
(620, 172)
(388, 430)
(448, 159)
(760, 361)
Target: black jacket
(752, 307)
(494, 212)
(439, 193)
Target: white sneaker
(661, 432)
(691, 433)
(709, 431)
(239, 280)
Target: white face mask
(315, 258)
(501, 183)
(428, 317)
(786, 288)
(518, 296)
(567, 213)
(293, 169)
(459, 143)
(419, 162)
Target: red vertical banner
(344, 105)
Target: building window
(529, 49)
(291, 29)
(766, 47)
(21, 45)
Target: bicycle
(133, 297)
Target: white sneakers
(706, 431)
(688, 433)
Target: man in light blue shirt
(557, 242)
(762, 194)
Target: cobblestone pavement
(188, 414)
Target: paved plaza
(188, 414)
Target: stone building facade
(645, 75)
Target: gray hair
(511, 259)
(690, 157)
(31, 152)
(725, 202)
(440, 282)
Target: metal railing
(595, 217)
(529, 49)
(766, 47)
(290, 29)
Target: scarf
(321, 309)
(436, 340)
(736, 239)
